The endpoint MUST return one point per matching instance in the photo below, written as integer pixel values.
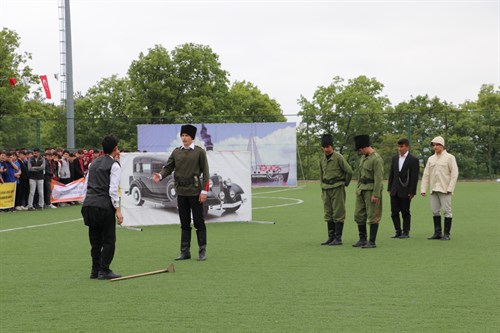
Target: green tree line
(188, 84)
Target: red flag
(45, 84)
(12, 81)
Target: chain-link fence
(473, 137)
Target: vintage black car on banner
(223, 195)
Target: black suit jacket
(404, 182)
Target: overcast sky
(286, 48)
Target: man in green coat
(335, 175)
(368, 191)
(190, 164)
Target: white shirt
(402, 160)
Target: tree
(246, 104)
(485, 117)
(108, 107)
(185, 85)
(344, 110)
(12, 65)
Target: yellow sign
(7, 195)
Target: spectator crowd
(33, 172)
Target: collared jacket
(334, 172)
(189, 165)
(371, 174)
(440, 173)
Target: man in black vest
(402, 186)
(101, 206)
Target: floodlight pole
(70, 102)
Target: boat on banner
(266, 174)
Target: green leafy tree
(246, 103)
(12, 65)
(185, 85)
(345, 110)
(485, 120)
(108, 107)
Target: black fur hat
(326, 140)
(361, 141)
(189, 130)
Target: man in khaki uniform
(335, 175)
(190, 163)
(368, 191)
(440, 174)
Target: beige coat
(440, 173)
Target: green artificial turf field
(260, 277)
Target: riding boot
(339, 227)
(331, 233)
(447, 228)
(397, 225)
(437, 228)
(185, 244)
(202, 244)
(373, 236)
(362, 236)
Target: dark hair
(65, 151)
(404, 142)
(109, 143)
(36, 149)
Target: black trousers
(47, 190)
(102, 236)
(400, 205)
(188, 205)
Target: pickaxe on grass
(169, 269)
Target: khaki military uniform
(370, 177)
(335, 175)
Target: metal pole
(70, 102)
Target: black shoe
(446, 237)
(328, 241)
(94, 274)
(107, 275)
(369, 245)
(183, 256)
(360, 243)
(404, 236)
(435, 236)
(336, 242)
(396, 235)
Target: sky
(287, 49)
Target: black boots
(447, 228)
(437, 228)
(202, 244)
(339, 227)
(331, 233)
(362, 236)
(185, 244)
(373, 237)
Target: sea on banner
(74, 191)
(7, 195)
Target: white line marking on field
(40, 225)
(297, 202)
(281, 190)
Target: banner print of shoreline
(272, 145)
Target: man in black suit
(402, 186)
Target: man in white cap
(440, 175)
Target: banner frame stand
(260, 222)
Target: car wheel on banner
(137, 196)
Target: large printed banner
(74, 191)
(7, 195)
(272, 146)
(143, 202)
